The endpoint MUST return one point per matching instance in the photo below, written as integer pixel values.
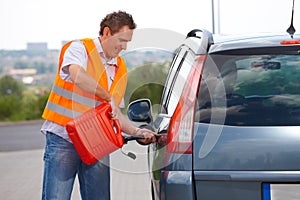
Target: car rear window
(250, 90)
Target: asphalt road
(21, 154)
(21, 136)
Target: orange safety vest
(67, 101)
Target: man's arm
(130, 129)
(82, 80)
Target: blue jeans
(62, 163)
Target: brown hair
(115, 21)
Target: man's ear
(106, 31)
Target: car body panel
(224, 43)
(242, 159)
(181, 181)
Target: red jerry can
(94, 134)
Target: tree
(33, 106)
(147, 81)
(9, 86)
(10, 98)
(9, 108)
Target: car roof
(231, 42)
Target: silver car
(229, 120)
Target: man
(90, 72)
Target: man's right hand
(115, 111)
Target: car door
(177, 75)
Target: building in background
(37, 46)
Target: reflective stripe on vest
(75, 97)
(67, 101)
(62, 110)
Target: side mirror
(140, 111)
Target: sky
(53, 21)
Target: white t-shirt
(76, 54)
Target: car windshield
(250, 90)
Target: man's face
(114, 44)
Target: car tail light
(180, 134)
(289, 42)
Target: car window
(250, 90)
(177, 76)
(172, 72)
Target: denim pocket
(59, 149)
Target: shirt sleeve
(75, 54)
